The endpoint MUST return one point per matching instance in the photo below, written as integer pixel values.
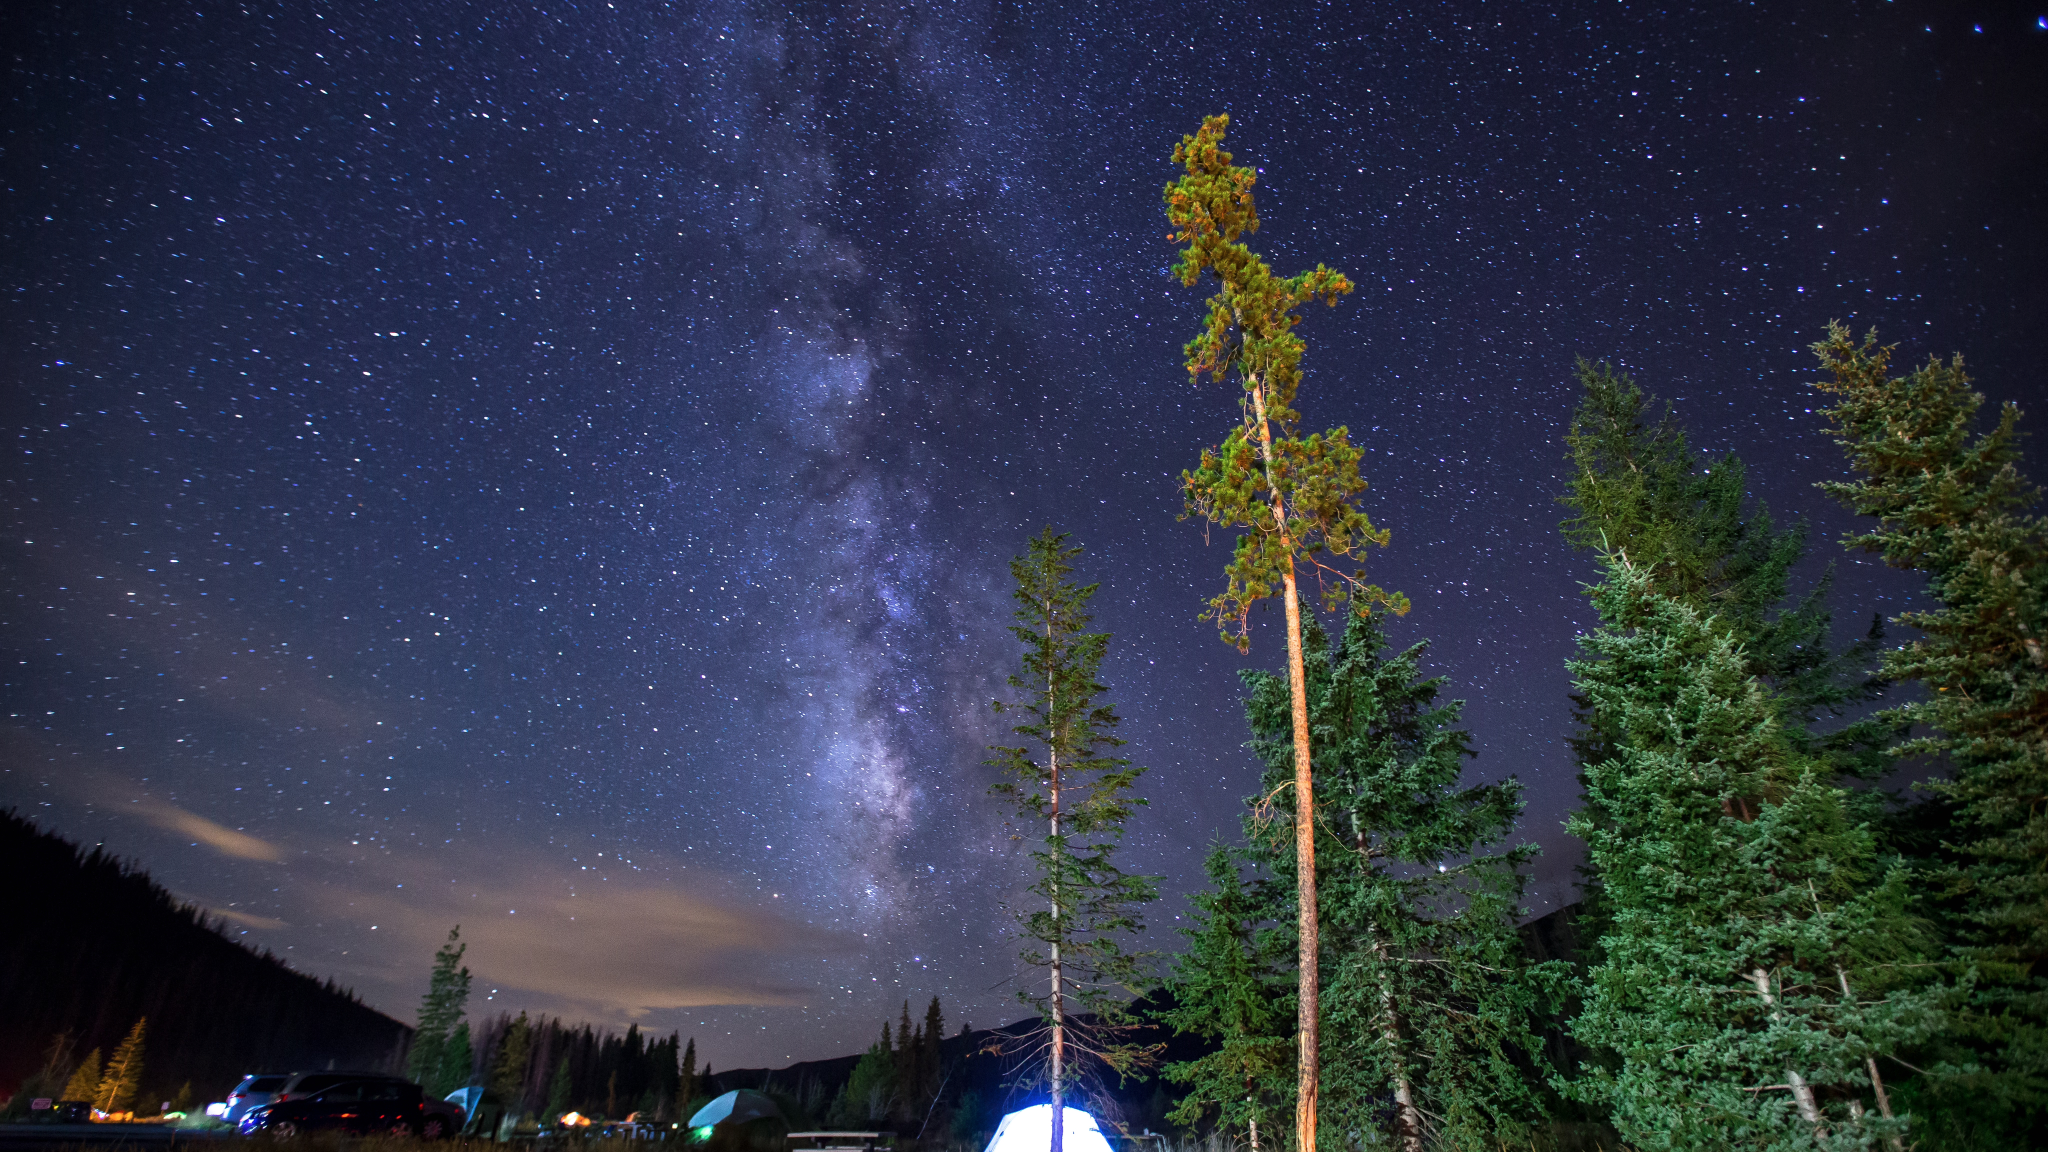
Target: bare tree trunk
(1884, 1102)
(1802, 1092)
(1410, 1117)
(1254, 1119)
(1307, 965)
(1059, 986)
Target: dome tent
(740, 1121)
(1030, 1130)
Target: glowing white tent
(1030, 1130)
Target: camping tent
(736, 1108)
(1030, 1130)
(482, 1111)
(739, 1121)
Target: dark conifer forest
(96, 945)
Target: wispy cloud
(218, 837)
(551, 937)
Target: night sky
(552, 467)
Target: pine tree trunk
(1059, 1015)
(1305, 869)
(1252, 1118)
(1884, 1102)
(1410, 1117)
(1802, 1092)
(1308, 919)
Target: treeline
(95, 947)
(546, 1067)
(540, 1068)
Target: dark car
(439, 1118)
(255, 1089)
(339, 1101)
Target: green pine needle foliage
(440, 1010)
(1430, 1001)
(1295, 496)
(84, 1083)
(1431, 1004)
(1085, 907)
(1234, 986)
(122, 1078)
(1754, 941)
(1951, 503)
(1638, 488)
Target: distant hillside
(92, 943)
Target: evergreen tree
(440, 1010)
(1432, 1000)
(85, 1082)
(1951, 503)
(929, 1070)
(1638, 488)
(122, 1078)
(1068, 782)
(866, 1096)
(1294, 496)
(457, 1065)
(909, 1049)
(508, 1071)
(689, 1076)
(667, 1086)
(1234, 988)
(1751, 963)
(558, 1093)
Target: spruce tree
(440, 1010)
(869, 1090)
(1294, 496)
(1951, 503)
(508, 1071)
(1432, 1001)
(558, 1093)
(457, 1064)
(689, 1076)
(84, 1083)
(1067, 781)
(930, 1072)
(122, 1078)
(1637, 487)
(1751, 962)
(909, 1047)
(1234, 987)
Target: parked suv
(357, 1102)
(256, 1089)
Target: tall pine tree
(1951, 503)
(1294, 496)
(1751, 963)
(1067, 780)
(122, 1078)
(84, 1083)
(440, 1010)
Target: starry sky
(551, 467)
